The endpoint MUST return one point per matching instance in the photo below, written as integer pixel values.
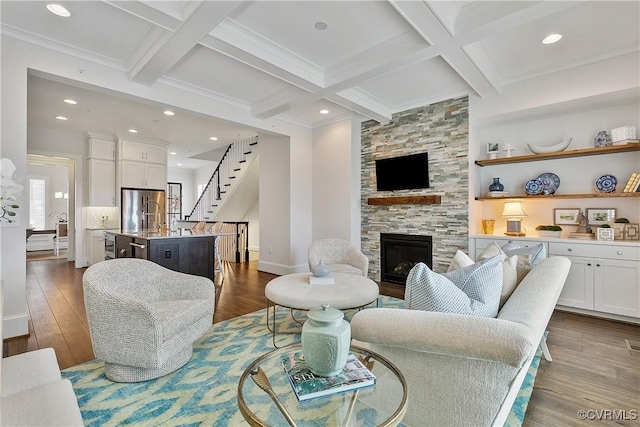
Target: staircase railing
(221, 179)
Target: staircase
(224, 180)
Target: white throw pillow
(473, 290)
(460, 260)
(510, 270)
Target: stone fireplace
(441, 130)
(400, 252)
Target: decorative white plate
(533, 187)
(606, 183)
(550, 182)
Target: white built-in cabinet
(604, 279)
(142, 164)
(101, 170)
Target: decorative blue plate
(550, 182)
(533, 187)
(606, 183)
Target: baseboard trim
(15, 326)
(280, 269)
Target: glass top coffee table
(383, 404)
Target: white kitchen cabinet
(102, 182)
(101, 147)
(603, 278)
(101, 170)
(142, 151)
(141, 164)
(95, 245)
(142, 175)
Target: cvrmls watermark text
(608, 414)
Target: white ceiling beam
(427, 22)
(167, 51)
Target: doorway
(51, 186)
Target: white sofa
(32, 391)
(465, 370)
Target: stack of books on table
(321, 280)
(306, 385)
(633, 184)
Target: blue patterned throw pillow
(473, 290)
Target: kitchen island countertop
(180, 233)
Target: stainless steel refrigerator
(142, 210)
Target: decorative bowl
(540, 149)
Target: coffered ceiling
(291, 59)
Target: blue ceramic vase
(496, 185)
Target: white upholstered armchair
(339, 255)
(143, 318)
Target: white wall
(253, 218)
(336, 182)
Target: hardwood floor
(592, 370)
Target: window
(37, 203)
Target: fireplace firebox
(400, 252)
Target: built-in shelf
(631, 146)
(564, 196)
(433, 199)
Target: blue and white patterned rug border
(203, 392)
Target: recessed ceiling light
(61, 118)
(70, 101)
(213, 138)
(58, 10)
(321, 25)
(173, 153)
(179, 164)
(324, 111)
(133, 131)
(551, 38)
(169, 113)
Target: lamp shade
(513, 210)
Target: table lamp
(514, 214)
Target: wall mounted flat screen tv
(403, 173)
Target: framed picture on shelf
(493, 148)
(566, 216)
(599, 216)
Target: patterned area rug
(203, 392)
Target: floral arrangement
(9, 191)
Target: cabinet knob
(619, 252)
(597, 265)
(588, 264)
(569, 250)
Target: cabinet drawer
(629, 253)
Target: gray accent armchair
(339, 255)
(144, 318)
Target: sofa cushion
(460, 260)
(473, 290)
(509, 270)
(537, 252)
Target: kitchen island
(184, 250)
